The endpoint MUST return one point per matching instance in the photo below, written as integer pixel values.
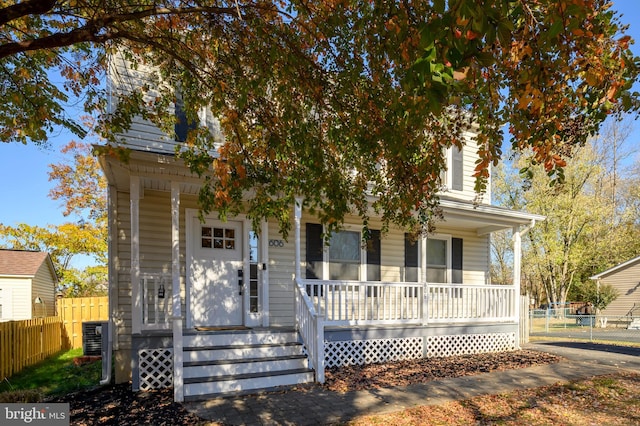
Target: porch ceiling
(483, 218)
(157, 171)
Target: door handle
(240, 281)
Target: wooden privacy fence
(24, 343)
(75, 311)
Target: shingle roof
(19, 262)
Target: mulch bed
(118, 405)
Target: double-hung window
(345, 258)
(444, 260)
(453, 177)
(438, 260)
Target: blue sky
(24, 184)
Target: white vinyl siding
(475, 255)
(469, 157)
(143, 135)
(281, 267)
(16, 304)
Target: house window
(457, 173)
(253, 271)
(444, 260)
(218, 238)
(453, 176)
(437, 260)
(183, 125)
(345, 258)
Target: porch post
(297, 216)
(517, 257)
(176, 308)
(425, 284)
(136, 294)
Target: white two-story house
(211, 307)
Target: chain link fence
(565, 323)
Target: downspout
(107, 372)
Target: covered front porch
(417, 315)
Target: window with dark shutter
(314, 251)
(373, 256)
(410, 259)
(182, 125)
(457, 173)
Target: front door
(215, 269)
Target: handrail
(631, 312)
(311, 328)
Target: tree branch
(98, 29)
(29, 7)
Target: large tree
(81, 187)
(330, 101)
(586, 230)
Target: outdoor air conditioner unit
(94, 337)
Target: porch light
(161, 291)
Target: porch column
(298, 216)
(136, 293)
(517, 257)
(176, 306)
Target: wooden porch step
(211, 387)
(238, 337)
(250, 351)
(217, 363)
(266, 365)
(240, 361)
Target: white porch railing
(156, 300)
(338, 303)
(341, 303)
(311, 328)
(470, 303)
(360, 303)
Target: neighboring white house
(27, 285)
(211, 307)
(624, 277)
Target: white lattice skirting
(156, 368)
(359, 352)
(464, 344)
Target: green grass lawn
(54, 376)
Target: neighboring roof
(23, 262)
(616, 268)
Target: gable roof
(616, 268)
(22, 262)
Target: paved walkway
(320, 407)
